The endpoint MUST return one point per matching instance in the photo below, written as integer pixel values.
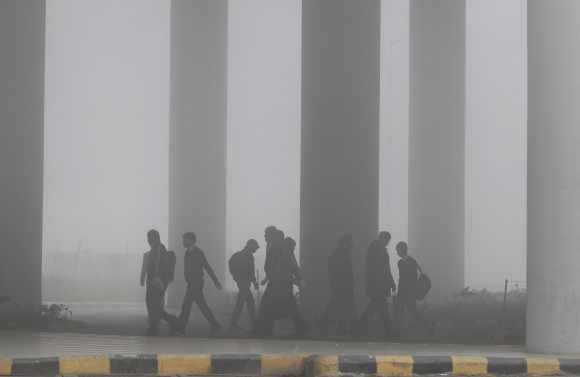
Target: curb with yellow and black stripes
(287, 365)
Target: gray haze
(107, 116)
(495, 149)
(263, 120)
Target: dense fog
(107, 132)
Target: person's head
(270, 233)
(384, 238)
(345, 241)
(252, 245)
(289, 243)
(189, 239)
(153, 238)
(402, 249)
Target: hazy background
(106, 119)
(264, 72)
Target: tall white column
(340, 135)
(22, 26)
(436, 142)
(197, 182)
(553, 176)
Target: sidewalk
(41, 354)
(34, 345)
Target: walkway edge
(287, 365)
(408, 365)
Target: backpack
(235, 264)
(167, 267)
(423, 286)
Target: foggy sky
(264, 39)
(106, 119)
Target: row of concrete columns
(340, 149)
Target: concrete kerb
(287, 365)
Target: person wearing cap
(243, 271)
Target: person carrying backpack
(379, 283)
(243, 271)
(409, 274)
(156, 274)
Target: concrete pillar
(22, 26)
(340, 136)
(436, 142)
(197, 180)
(553, 176)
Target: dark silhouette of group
(282, 274)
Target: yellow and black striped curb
(286, 365)
(393, 365)
(162, 365)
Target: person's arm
(254, 281)
(210, 272)
(390, 279)
(187, 266)
(144, 270)
(295, 268)
(418, 267)
(267, 264)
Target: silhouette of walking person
(243, 271)
(156, 274)
(409, 271)
(341, 306)
(274, 242)
(194, 267)
(270, 235)
(379, 283)
(278, 301)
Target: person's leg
(164, 315)
(325, 319)
(154, 308)
(370, 310)
(383, 308)
(251, 305)
(265, 323)
(186, 308)
(399, 308)
(300, 325)
(412, 308)
(240, 300)
(344, 309)
(150, 314)
(206, 311)
(331, 315)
